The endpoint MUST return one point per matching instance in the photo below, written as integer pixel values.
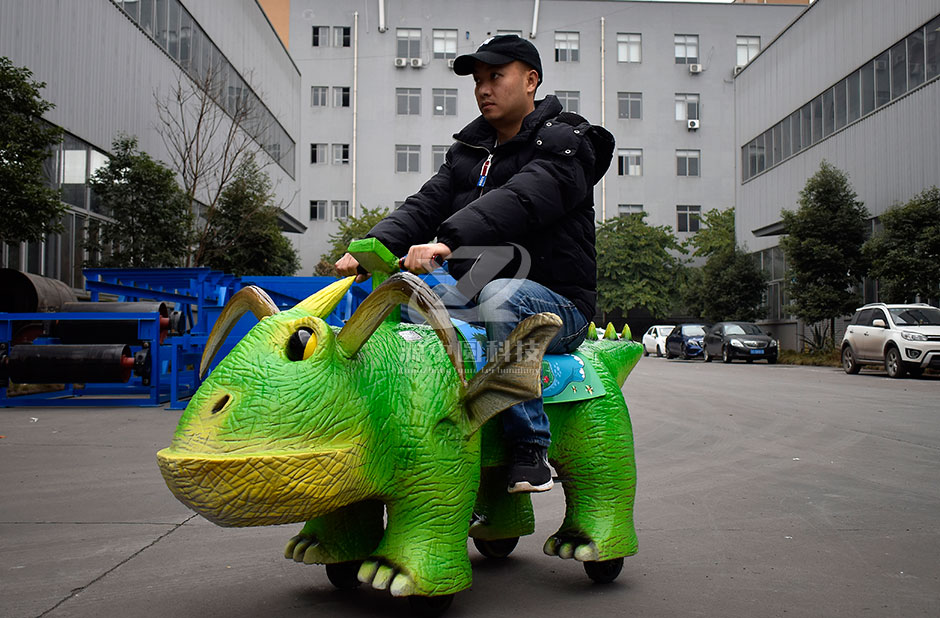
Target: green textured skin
(397, 405)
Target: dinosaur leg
(349, 533)
(593, 452)
(499, 514)
(424, 550)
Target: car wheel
(893, 363)
(685, 354)
(706, 356)
(726, 354)
(645, 351)
(848, 361)
(669, 353)
(659, 351)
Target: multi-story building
(852, 82)
(105, 63)
(381, 103)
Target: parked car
(903, 338)
(731, 340)
(685, 340)
(654, 340)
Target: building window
(408, 101)
(341, 36)
(340, 209)
(319, 96)
(882, 81)
(629, 209)
(569, 99)
(321, 36)
(438, 156)
(407, 158)
(748, 47)
(445, 101)
(933, 48)
(318, 210)
(687, 106)
(687, 218)
(629, 47)
(630, 105)
(318, 154)
(566, 46)
(630, 162)
(409, 42)
(687, 162)
(444, 44)
(340, 96)
(686, 48)
(340, 154)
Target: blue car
(685, 341)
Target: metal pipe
(382, 26)
(355, 104)
(603, 113)
(535, 20)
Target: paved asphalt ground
(763, 491)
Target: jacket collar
(481, 133)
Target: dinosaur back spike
(610, 332)
(592, 332)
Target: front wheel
(430, 607)
(849, 364)
(893, 363)
(659, 351)
(496, 549)
(706, 356)
(344, 575)
(604, 571)
(726, 354)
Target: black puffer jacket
(538, 195)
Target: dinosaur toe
(581, 550)
(385, 576)
(402, 586)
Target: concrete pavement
(763, 491)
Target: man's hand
(347, 266)
(420, 257)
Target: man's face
(504, 92)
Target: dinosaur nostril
(220, 404)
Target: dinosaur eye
(301, 344)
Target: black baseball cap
(498, 50)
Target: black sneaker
(530, 471)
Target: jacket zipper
(485, 170)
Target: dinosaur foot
(386, 576)
(582, 550)
(302, 548)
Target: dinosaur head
(277, 434)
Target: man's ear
(531, 81)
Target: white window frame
(342, 36)
(570, 100)
(320, 36)
(322, 154)
(339, 94)
(629, 47)
(320, 205)
(629, 209)
(438, 156)
(687, 156)
(686, 48)
(567, 46)
(339, 209)
(340, 154)
(319, 96)
(412, 99)
(446, 100)
(692, 215)
(630, 162)
(747, 48)
(412, 39)
(628, 99)
(412, 154)
(684, 101)
(444, 44)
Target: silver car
(903, 338)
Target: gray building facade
(105, 63)
(852, 82)
(380, 103)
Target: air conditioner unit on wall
(417, 63)
(738, 68)
(695, 68)
(401, 62)
(693, 125)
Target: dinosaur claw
(586, 553)
(289, 550)
(367, 571)
(402, 586)
(312, 555)
(383, 577)
(566, 551)
(301, 548)
(551, 546)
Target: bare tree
(210, 122)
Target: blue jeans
(502, 304)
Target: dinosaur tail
(619, 356)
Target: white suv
(903, 338)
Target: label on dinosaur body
(569, 377)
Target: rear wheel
(344, 575)
(430, 607)
(726, 354)
(604, 571)
(706, 356)
(659, 351)
(669, 354)
(496, 549)
(893, 363)
(849, 365)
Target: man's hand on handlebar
(426, 258)
(348, 266)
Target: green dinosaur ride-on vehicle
(382, 421)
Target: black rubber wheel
(645, 351)
(496, 549)
(659, 351)
(344, 575)
(893, 363)
(604, 571)
(430, 607)
(669, 354)
(848, 361)
(726, 354)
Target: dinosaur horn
(400, 288)
(322, 303)
(247, 299)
